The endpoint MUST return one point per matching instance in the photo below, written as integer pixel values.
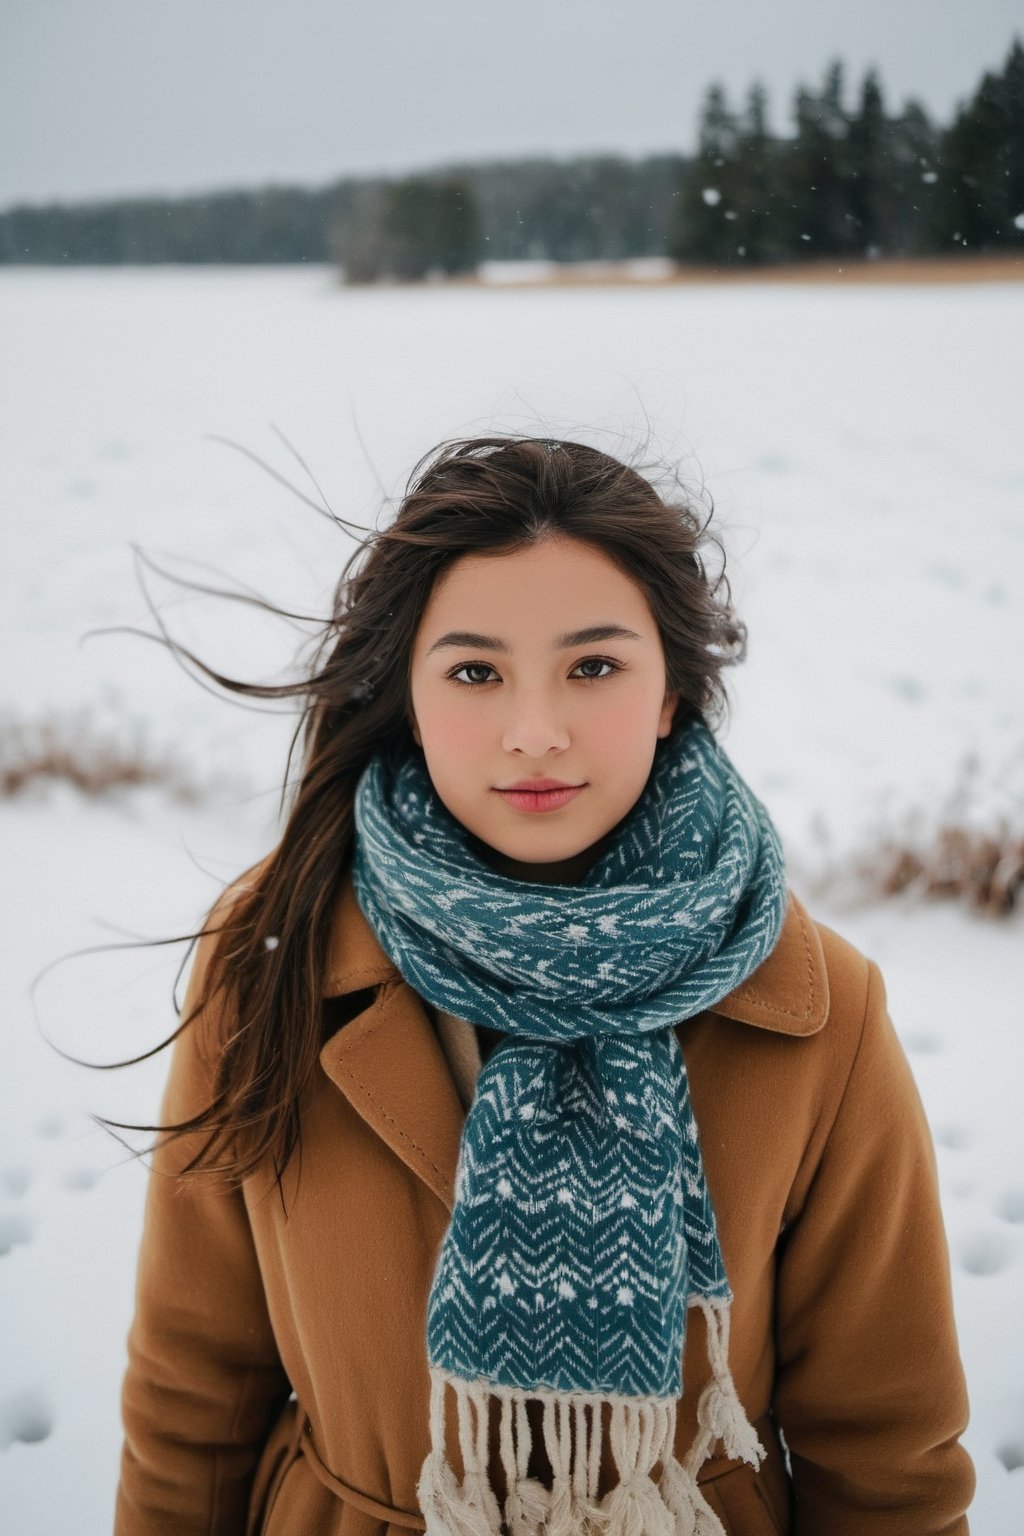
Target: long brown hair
(263, 949)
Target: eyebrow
(574, 637)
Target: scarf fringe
(641, 1432)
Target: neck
(568, 871)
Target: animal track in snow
(985, 1253)
(15, 1180)
(1011, 1454)
(954, 1136)
(15, 1227)
(925, 1041)
(81, 1178)
(25, 1416)
(1011, 1205)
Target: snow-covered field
(864, 453)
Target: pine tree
(982, 169)
(1012, 147)
(816, 215)
(756, 230)
(911, 193)
(702, 232)
(868, 149)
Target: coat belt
(413, 1521)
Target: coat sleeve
(870, 1389)
(204, 1380)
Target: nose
(535, 727)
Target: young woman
(534, 1161)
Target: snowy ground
(862, 446)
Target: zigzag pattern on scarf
(582, 1228)
(565, 1260)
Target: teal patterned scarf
(582, 1228)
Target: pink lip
(542, 799)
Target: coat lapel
(389, 1063)
(387, 1059)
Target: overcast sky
(107, 97)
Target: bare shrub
(984, 868)
(964, 853)
(100, 763)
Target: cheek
(621, 723)
(452, 729)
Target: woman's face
(510, 700)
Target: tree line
(858, 181)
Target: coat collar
(389, 1063)
(788, 993)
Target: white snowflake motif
(608, 923)
(566, 1290)
(575, 931)
(624, 1296)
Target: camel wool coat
(277, 1378)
